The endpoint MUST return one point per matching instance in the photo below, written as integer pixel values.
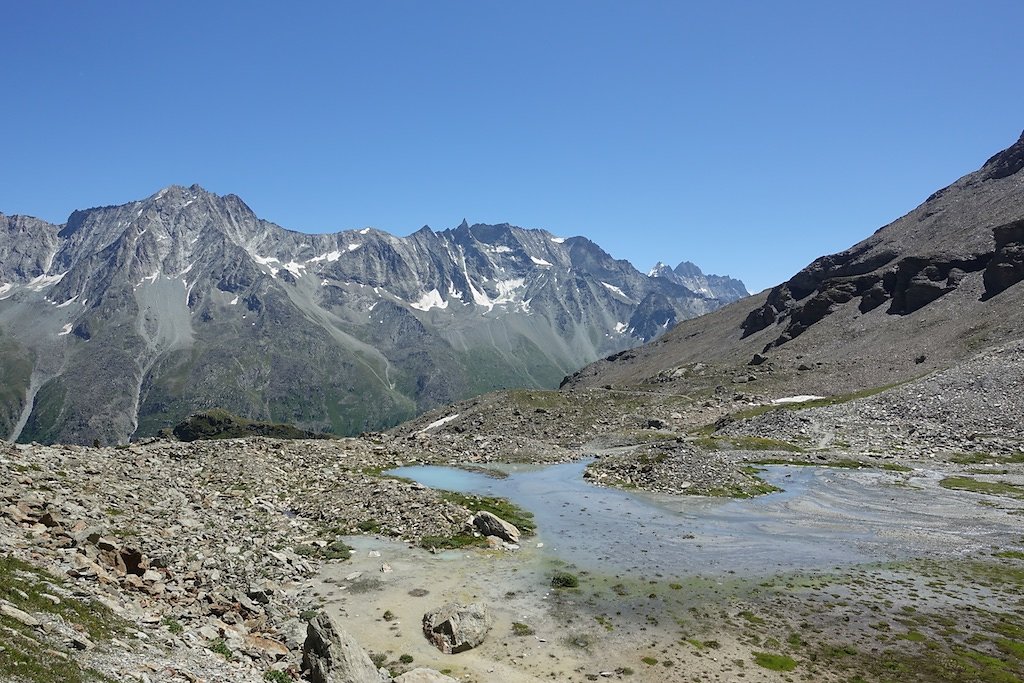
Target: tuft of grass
(277, 676)
(172, 624)
(774, 662)
(520, 629)
(221, 648)
(564, 580)
(368, 525)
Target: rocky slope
(128, 318)
(185, 561)
(921, 294)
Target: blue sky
(748, 137)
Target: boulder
(424, 676)
(331, 655)
(491, 525)
(454, 628)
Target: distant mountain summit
(128, 318)
(693, 278)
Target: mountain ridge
(187, 300)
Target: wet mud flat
(930, 588)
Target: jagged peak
(660, 269)
(688, 269)
(178, 191)
(1005, 163)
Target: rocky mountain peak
(1005, 163)
(693, 278)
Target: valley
(820, 482)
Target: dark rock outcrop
(1006, 268)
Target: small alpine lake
(824, 517)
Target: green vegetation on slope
(24, 655)
(220, 424)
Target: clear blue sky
(748, 137)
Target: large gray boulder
(492, 525)
(454, 628)
(331, 655)
(424, 676)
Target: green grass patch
(221, 648)
(774, 662)
(453, 542)
(564, 580)
(220, 424)
(992, 488)
(520, 629)
(22, 656)
(980, 458)
(1010, 554)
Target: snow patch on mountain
(616, 290)
(41, 282)
(295, 268)
(437, 423)
(266, 261)
(329, 257)
(429, 300)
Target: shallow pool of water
(823, 518)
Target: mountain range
(126, 319)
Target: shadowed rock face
(1006, 267)
(128, 318)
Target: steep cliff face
(127, 318)
(925, 291)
